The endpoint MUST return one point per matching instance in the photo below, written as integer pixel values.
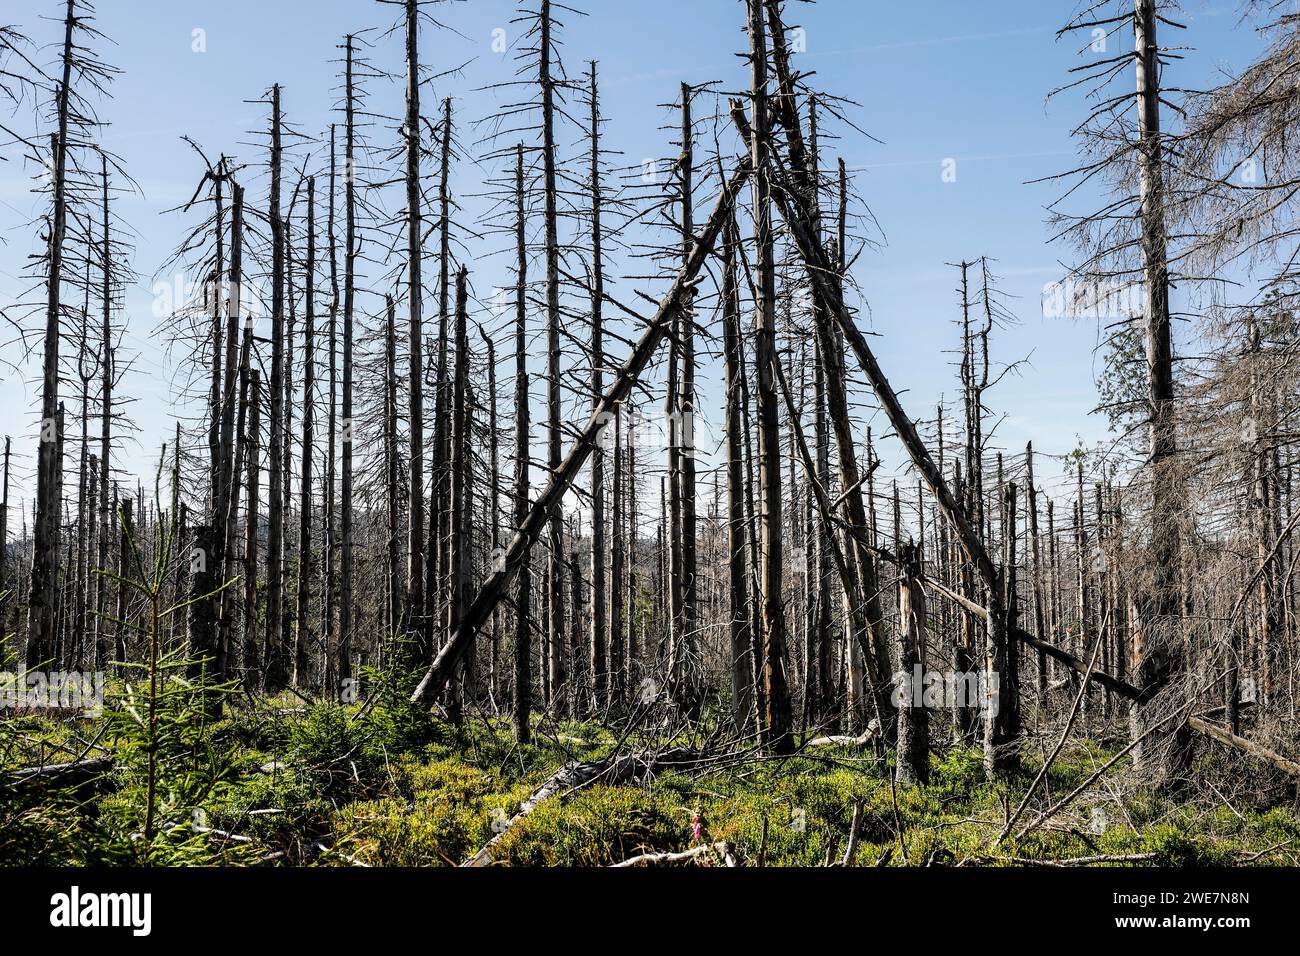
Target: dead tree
(302, 633)
(742, 668)
(554, 422)
(462, 486)
(440, 516)
(913, 716)
(494, 587)
(600, 623)
(523, 669)
(332, 680)
(41, 606)
(777, 728)
(415, 614)
(393, 506)
(1137, 246)
(252, 521)
(350, 252)
(275, 675)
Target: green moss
(597, 827)
(389, 784)
(444, 812)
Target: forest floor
(284, 782)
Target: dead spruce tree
(1126, 130)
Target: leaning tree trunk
(495, 587)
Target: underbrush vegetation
(383, 783)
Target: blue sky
(944, 79)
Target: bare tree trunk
(349, 298)
(416, 612)
(1040, 611)
(440, 516)
(276, 669)
(1259, 514)
(822, 641)
(303, 639)
(224, 511)
(393, 591)
(913, 717)
(632, 652)
(494, 514)
(328, 603)
(125, 532)
(685, 423)
(600, 624)
(555, 426)
(252, 520)
(461, 484)
(1008, 714)
(777, 719)
(41, 608)
(523, 680)
(614, 628)
(742, 665)
(1158, 650)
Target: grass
(390, 785)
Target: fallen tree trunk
(74, 773)
(724, 850)
(1225, 736)
(490, 594)
(568, 779)
(833, 740)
